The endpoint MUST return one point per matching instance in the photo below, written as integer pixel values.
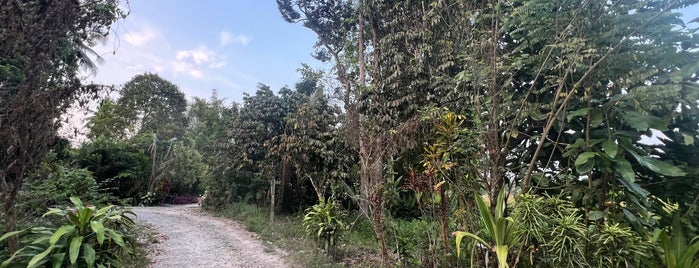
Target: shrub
(323, 222)
(553, 231)
(53, 183)
(418, 243)
(613, 245)
(91, 237)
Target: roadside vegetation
(446, 134)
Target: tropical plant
(323, 221)
(502, 231)
(92, 237)
(553, 231)
(673, 248)
(614, 245)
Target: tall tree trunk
(376, 198)
(272, 193)
(443, 211)
(365, 158)
(493, 144)
(283, 181)
(10, 218)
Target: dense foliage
(508, 133)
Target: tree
(39, 66)
(109, 121)
(154, 105)
(120, 166)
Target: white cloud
(187, 68)
(199, 55)
(191, 61)
(142, 37)
(226, 38)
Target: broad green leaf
(103, 210)
(117, 238)
(610, 148)
(65, 229)
(89, 254)
(596, 117)
(74, 249)
(54, 211)
(624, 169)
(98, 228)
(658, 166)
(583, 163)
(633, 187)
(637, 122)
(39, 258)
(76, 201)
(584, 157)
(7, 235)
(577, 113)
(657, 123)
(595, 215)
(688, 139)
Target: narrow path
(193, 238)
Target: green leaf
(460, 235)
(7, 235)
(39, 258)
(577, 113)
(76, 201)
(117, 238)
(658, 166)
(89, 254)
(633, 187)
(688, 139)
(57, 259)
(596, 117)
(583, 164)
(610, 148)
(98, 228)
(657, 123)
(584, 157)
(595, 215)
(74, 249)
(501, 253)
(65, 229)
(103, 210)
(638, 122)
(623, 167)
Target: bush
(323, 221)
(91, 237)
(613, 245)
(553, 230)
(417, 243)
(53, 183)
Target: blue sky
(202, 45)
(230, 46)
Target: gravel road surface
(192, 238)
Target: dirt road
(192, 238)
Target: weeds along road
(192, 238)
